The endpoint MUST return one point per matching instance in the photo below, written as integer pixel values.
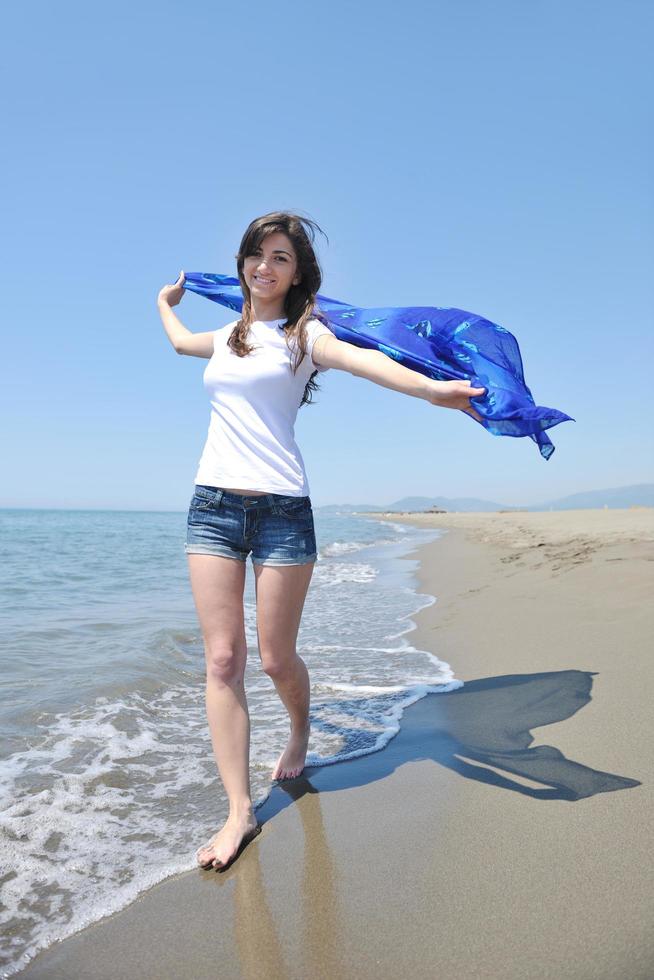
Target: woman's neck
(263, 311)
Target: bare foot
(291, 761)
(223, 846)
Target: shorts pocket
(202, 499)
(292, 506)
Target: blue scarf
(440, 342)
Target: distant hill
(641, 494)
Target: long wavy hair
(300, 302)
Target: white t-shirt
(254, 403)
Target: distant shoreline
(485, 513)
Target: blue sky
(494, 156)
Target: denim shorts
(277, 529)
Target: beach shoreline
(499, 834)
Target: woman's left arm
(383, 370)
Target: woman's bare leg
(281, 591)
(218, 585)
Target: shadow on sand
(487, 721)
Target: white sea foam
(338, 573)
(338, 548)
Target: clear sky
(493, 156)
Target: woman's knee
(279, 665)
(225, 665)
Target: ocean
(108, 783)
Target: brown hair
(300, 302)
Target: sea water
(108, 784)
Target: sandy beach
(502, 832)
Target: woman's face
(271, 271)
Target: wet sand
(500, 834)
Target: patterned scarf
(440, 342)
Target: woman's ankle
(241, 810)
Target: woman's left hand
(455, 394)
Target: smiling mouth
(264, 282)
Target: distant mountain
(641, 494)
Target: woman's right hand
(172, 294)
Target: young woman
(251, 492)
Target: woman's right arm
(184, 342)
